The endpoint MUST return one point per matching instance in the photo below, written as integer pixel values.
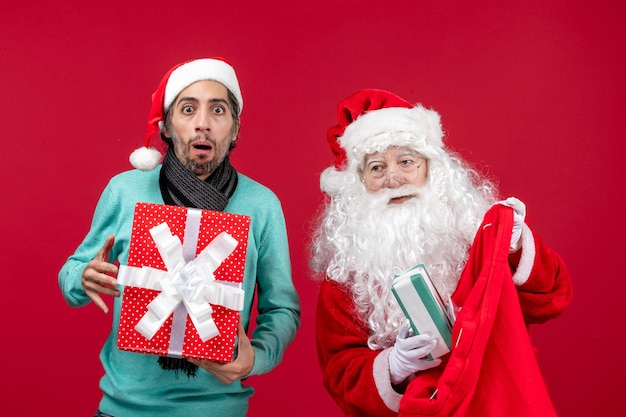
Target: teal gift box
(423, 306)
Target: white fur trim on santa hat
(198, 70)
(376, 130)
(145, 159)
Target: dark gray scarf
(179, 187)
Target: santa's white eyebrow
(404, 152)
(371, 159)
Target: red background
(531, 91)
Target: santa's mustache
(407, 190)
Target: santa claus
(397, 197)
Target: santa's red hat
(370, 121)
(174, 81)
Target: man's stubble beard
(209, 165)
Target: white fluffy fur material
(527, 259)
(382, 379)
(201, 69)
(393, 126)
(145, 159)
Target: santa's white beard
(375, 240)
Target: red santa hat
(174, 81)
(372, 120)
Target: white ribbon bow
(191, 283)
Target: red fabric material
(354, 106)
(492, 370)
(346, 361)
(155, 115)
(543, 300)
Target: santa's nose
(394, 180)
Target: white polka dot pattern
(143, 252)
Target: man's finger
(98, 301)
(105, 250)
(241, 332)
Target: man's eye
(218, 110)
(187, 109)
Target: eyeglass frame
(387, 174)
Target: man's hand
(95, 280)
(227, 373)
(407, 355)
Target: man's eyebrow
(195, 100)
(218, 100)
(182, 99)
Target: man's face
(201, 127)
(392, 169)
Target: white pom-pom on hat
(145, 159)
(173, 82)
(332, 180)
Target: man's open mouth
(202, 146)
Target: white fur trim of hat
(199, 70)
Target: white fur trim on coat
(382, 379)
(527, 260)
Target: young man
(399, 198)
(196, 110)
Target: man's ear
(233, 142)
(165, 122)
(165, 132)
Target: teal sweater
(133, 384)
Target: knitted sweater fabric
(133, 384)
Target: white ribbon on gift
(191, 283)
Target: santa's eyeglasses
(406, 171)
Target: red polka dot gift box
(182, 285)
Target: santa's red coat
(492, 370)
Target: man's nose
(203, 122)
